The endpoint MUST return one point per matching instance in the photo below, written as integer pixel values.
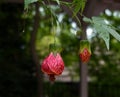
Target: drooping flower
(53, 65)
(85, 51)
(85, 55)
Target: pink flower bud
(85, 55)
(85, 51)
(52, 65)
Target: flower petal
(57, 65)
(44, 67)
(85, 55)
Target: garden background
(19, 44)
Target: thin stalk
(76, 17)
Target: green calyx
(84, 44)
(55, 48)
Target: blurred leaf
(79, 5)
(98, 20)
(103, 34)
(103, 29)
(83, 5)
(27, 2)
(85, 19)
(44, 43)
(113, 33)
(65, 2)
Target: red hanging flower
(52, 65)
(85, 51)
(85, 55)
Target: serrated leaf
(106, 37)
(103, 34)
(98, 20)
(27, 2)
(103, 29)
(85, 19)
(100, 26)
(113, 33)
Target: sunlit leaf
(113, 33)
(103, 29)
(103, 34)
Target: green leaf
(66, 3)
(113, 33)
(103, 29)
(103, 34)
(98, 20)
(85, 19)
(27, 2)
(83, 5)
(106, 37)
(78, 5)
(100, 26)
